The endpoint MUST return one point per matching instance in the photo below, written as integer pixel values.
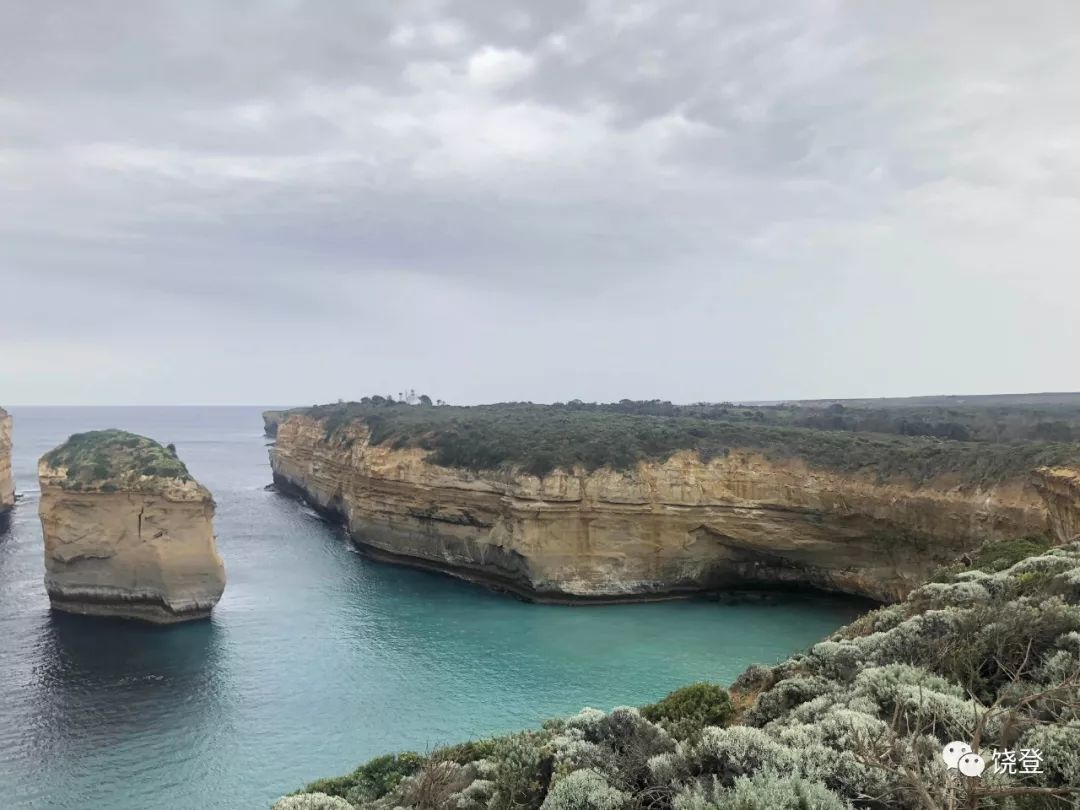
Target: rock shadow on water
(102, 676)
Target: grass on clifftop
(110, 456)
(540, 438)
(990, 657)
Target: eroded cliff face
(1060, 489)
(271, 420)
(145, 553)
(7, 480)
(661, 529)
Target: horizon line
(505, 401)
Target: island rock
(128, 531)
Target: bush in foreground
(691, 708)
(312, 801)
(371, 780)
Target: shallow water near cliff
(316, 658)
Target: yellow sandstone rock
(660, 529)
(1060, 489)
(7, 480)
(128, 532)
(271, 420)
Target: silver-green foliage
(764, 791)
(585, 789)
(515, 772)
(312, 801)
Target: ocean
(316, 659)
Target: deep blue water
(316, 658)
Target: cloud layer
(286, 202)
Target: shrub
(585, 790)
(622, 743)
(466, 752)
(762, 792)
(769, 792)
(1002, 554)
(476, 796)
(883, 684)
(573, 753)
(311, 801)
(1007, 637)
(728, 753)
(517, 777)
(753, 679)
(373, 779)
(837, 660)
(691, 708)
(785, 696)
(1060, 747)
(431, 787)
(876, 621)
(944, 715)
(956, 594)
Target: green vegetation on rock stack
(989, 655)
(106, 458)
(540, 438)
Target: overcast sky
(276, 201)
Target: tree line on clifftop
(980, 445)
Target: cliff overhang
(658, 529)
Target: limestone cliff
(659, 528)
(271, 420)
(1060, 489)
(7, 480)
(128, 532)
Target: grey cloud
(504, 199)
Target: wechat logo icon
(959, 755)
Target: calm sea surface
(316, 659)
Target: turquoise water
(316, 658)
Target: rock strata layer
(128, 532)
(660, 529)
(1060, 489)
(271, 420)
(7, 480)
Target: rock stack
(128, 532)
